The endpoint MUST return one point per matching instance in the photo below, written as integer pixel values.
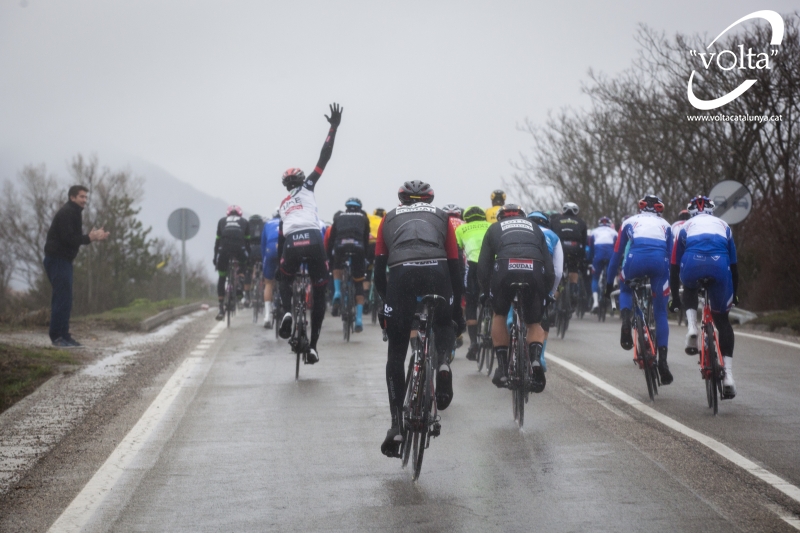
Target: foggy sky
(227, 95)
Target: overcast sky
(226, 95)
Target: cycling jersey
(557, 253)
(491, 213)
(571, 231)
(676, 228)
(601, 245)
(416, 232)
(470, 238)
(374, 224)
(269, 247)
(351, 225)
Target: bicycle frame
(712, 364)
(520, 370)
(644, 350)
(300, 300)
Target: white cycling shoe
(286, 326)
(691, 335)
(728, 385)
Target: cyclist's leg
(721, 300)
(532, 310)
(501, 295)
(399, 309)
(692, 270)
(659, 284)
(222, 268)
(630, 270)
(358, 271)
(270, 264)
(318, 272)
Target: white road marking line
(739, 460)
(768, 339)
(77, 515)
(197, 352)
(785, 515)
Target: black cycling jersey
(233, 234)
(571, 230)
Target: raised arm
(327, 148)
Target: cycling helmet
(353, 203)
(257, 218)
(540, 218)
(234, 209)
(415, 191)
(452, 210)
(605, 221)
(474, 213)
(684, 215)
(651, 204)
(293, 178)
(570, 208)
(510, 211)
(379, 212)
(701, 204)
(498, 197)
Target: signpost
(183, 224)
(733, 201)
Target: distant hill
(163, 193)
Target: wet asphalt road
(253, 450)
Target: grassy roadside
(780, 319)
(129, 317)
(23, 369)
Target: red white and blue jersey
(645, 234)
(604, 235)
(705, 235)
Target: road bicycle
(301, 302)
(644, 334)
(257, 298)
(602, 301)
(375, 301)
(562, 310)
(230, 290)
(712, 364)
(520, 368)
(486, 353)
(421, 420)
(348, 309)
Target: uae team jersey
(299, 210)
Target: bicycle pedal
(436, 430)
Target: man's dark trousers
(59, 272)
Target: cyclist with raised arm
(418, 244)
(233, 242)
(571, 231)
(650, 239)
(704, 249)
(498, 199)
(557, 253)
(269, 262)
(601, 248)
(515, 250)
(350, 235)
(470, 238)
(301, 238)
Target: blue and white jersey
(269, 238)
(706, 235)
(557, 253)
(645, 234)
(604, 235)
(552, 239)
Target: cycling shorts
(510, 271)
(695, 267)
(305, 245)
(224, 259)
(472, 290)
(574, 257)
(341, 251)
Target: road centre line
(768, 339)
(739, 460)
(78, 514)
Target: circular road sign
(183, 224)
(733, 201)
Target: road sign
(183, 224)
(733, 201)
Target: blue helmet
(540, 218)
(353, 203)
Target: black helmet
(353, 203)
(379, 212)
(510, 211)
(540, 218)
(474, 213)
(498, 197)
(415, 191)
(293, 178)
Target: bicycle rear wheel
(714, 384)
(643, 354)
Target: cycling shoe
(392, 443)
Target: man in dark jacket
(64, 238)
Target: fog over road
(240, 446)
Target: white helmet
(570, 207)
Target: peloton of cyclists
(601, 248)
(704, 249)
(349, 235)
(515, 250)
(233, 242)
(418, 244)
(301, 238)
(650, 239)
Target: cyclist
(571, 231)
(269, 262)
(650, 239)
(683, 216)
(454, 217)
(470, 237)
(419, 246)
(557, 253)
(256, 223)
(704, 248)
(374, 223)
(349, 235)
(498, 199)
(515, 251)
(601, 248)
(301, 239)
(233, 241)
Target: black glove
(458, 318)
(675, 304)
(609, 290)
(336, 115)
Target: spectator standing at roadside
(64, 238)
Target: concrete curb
(163, 317)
